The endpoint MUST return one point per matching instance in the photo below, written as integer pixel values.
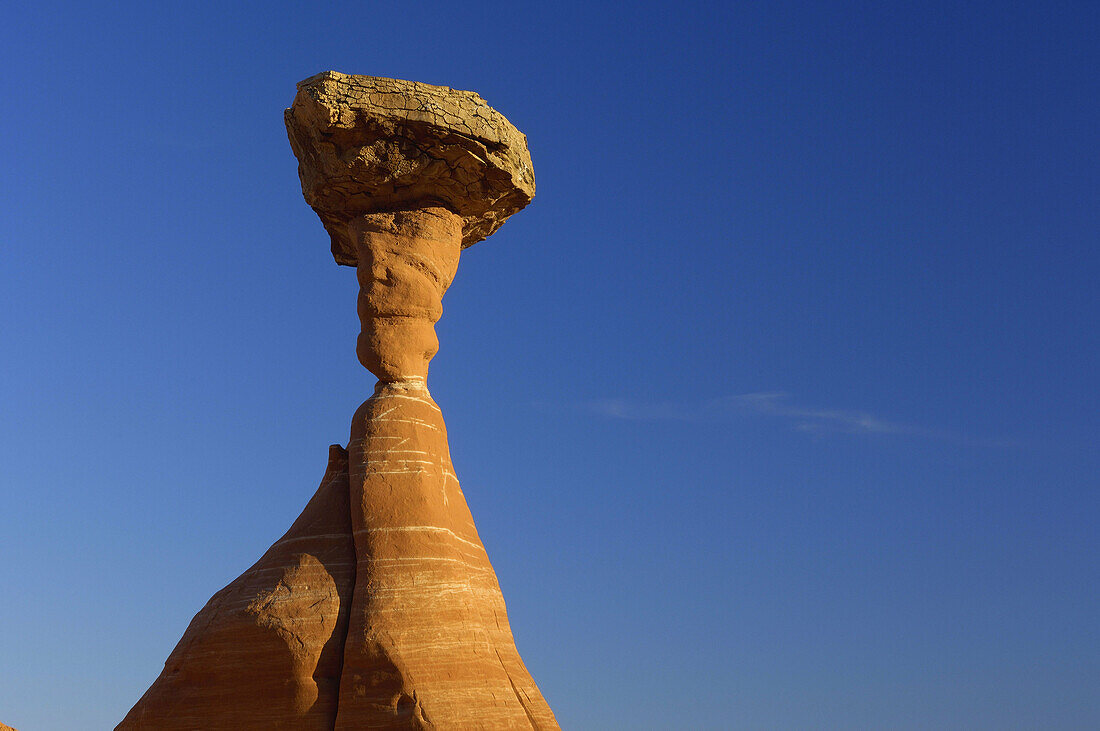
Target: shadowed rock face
(379, 608)
(266, 651)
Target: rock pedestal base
(428, 639)
(378, 609)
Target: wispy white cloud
(820, 420)
(780, 406)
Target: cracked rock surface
(367, 144)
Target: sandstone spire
(379, 608)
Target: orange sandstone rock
(406, 261)
(266, 651)
(379, 608)
(429, 643)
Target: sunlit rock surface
(379, 608)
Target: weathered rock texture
(379, 608)
(265, 651)
(406, 261)
(428, 640)
(367, 144)
(6, 728)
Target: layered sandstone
(379, 608)
(428, 639)
(266, 651)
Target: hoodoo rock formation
(379, 607)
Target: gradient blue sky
(777, 408)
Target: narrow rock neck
(406, 260)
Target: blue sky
(777, 408)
